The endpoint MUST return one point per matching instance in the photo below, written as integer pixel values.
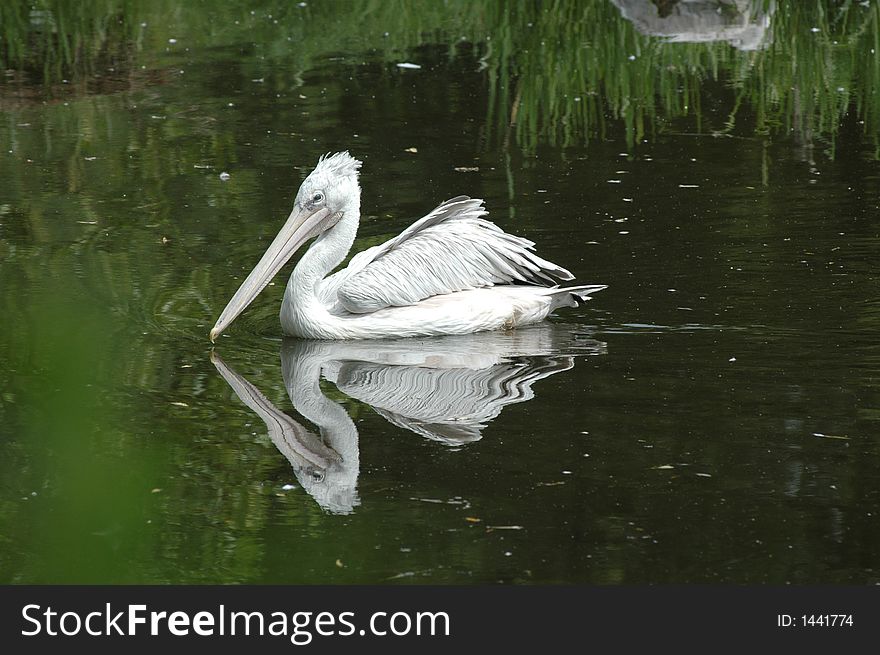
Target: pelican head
(324, 198)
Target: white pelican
(451, 272)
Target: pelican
(450, 272)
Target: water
(711, 417)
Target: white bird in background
(451, 272)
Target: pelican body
(450, 272)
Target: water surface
(711, 417)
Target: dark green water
(713, 416)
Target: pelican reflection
(446, 389)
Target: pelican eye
(316, 474)
(318, 198)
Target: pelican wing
(451, 405)
(451, 249)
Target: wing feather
(451, 249)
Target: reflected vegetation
(57, 42)
(446, 389)
(558, 73)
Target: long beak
(302, 448)
(301, 225)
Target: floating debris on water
(412, 150)
(224, 176)
(408, 65)
(451, 501)
(287, 487)
(830, 436)
(179, 404)
(664, 467)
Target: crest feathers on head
(340, 163)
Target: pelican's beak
(302, 224)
